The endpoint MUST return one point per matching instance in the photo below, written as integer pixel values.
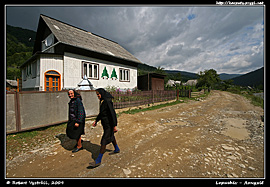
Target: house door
(52, 81)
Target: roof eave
(34, 57)
(31, 58)
(106, 55)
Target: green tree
(227, 84)
(160, 70)
(208, 78)
(178, 77)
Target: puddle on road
(235, 128)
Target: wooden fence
(33, 109)
(196, 94)
(130, 99)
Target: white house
(63, 54)
(173, 83)
(191, 82)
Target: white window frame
(124, 75)
(94, 75)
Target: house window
(85, 69)
(24, 74)
(47, 42)
(34, 69)
(52, 81)
(28, 70)
(95, 71)
(90, 70)
(124, 75)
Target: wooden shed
(151, 81)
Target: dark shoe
(77, 149)
(94, 164)
(114, 152)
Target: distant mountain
(225, 76)
(22, 35)
(254, 78)
(18, 49)
(185, 76)
(145, 67)
(171, 74)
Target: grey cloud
(175, 50)
(167, 36)
(234, 48)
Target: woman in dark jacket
(76, 119)
(108, 119)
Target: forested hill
(254, 78)
(19, 49)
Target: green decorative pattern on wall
(113, 75)
(105, 73)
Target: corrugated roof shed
(12, 82)
(77, 37)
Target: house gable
(73, 53)
(68, 38)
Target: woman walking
(108, 119)
(76, 119)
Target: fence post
(189, 93)
(177, 94)
(128, 98)
(18, 84)
(17, 112)
(152, 96)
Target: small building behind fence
(151, 81)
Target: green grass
(256, 101)
(134, 111)
(36, 132)
(181, 100)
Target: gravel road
(221, 136)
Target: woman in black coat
(108, 119)
(76, 119)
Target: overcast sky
(187, 38)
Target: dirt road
(221, 136)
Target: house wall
(32, 80)
(43, 63)
(73, 72)
(50, 62)
(30, 84)
(70, 66)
